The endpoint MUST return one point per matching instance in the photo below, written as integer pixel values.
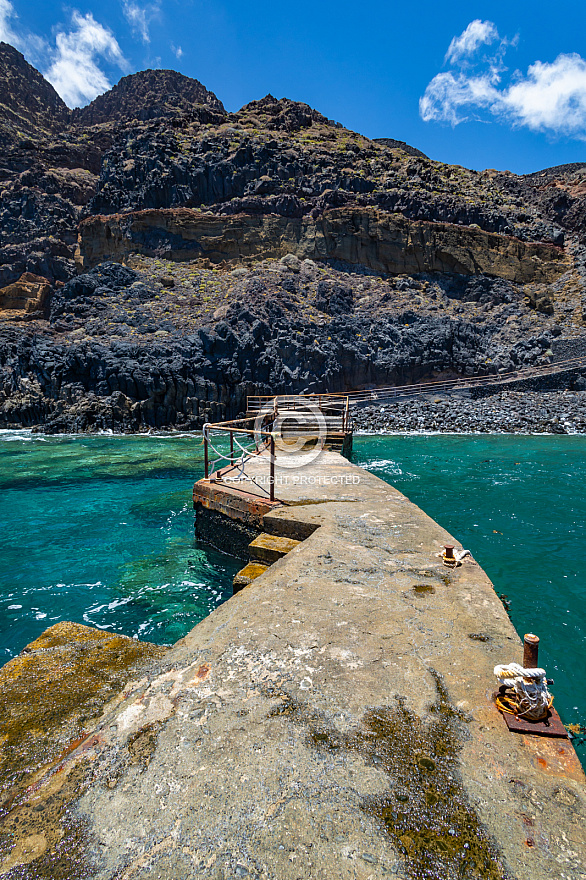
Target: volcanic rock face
(27, 101)
(52, 156)
(172, 344)
(266, 250)
(374, 239)
(150, 94)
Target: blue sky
(485, 85)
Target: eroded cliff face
(151, 94)
(384, 243)
(173, 344)
(26, 296)
(265, 250)
(52, 157)
(27, 101)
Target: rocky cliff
(28, 103)
(150, 94)
(385, 243)
(160, 258)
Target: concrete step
(247, 575)
(268, 548)
(284, 526)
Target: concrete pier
(334, 719)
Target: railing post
(272, 471)
(205, 452)
(231, 447)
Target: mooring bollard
(530, 651)
(448, 556)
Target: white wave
(7, 434)
(117, 603)
(386, 464)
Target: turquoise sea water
(100, 530)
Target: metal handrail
(354, 397)
(290, 401)
(232, 429)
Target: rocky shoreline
(507, 412)
(170, 345)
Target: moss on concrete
(426, 812)
(52, 689)
(247, 575)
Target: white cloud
(71, 65)
(7, 34)
(550, 97)
(477, 33)
(74, 70)
(177, 51)
(139, 17)
(29, 44)
(447, 95)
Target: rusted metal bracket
(550, 726)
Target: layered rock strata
(383, 243)
(28, 294)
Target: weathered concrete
(50, 696)
(332, 720)
(242, 514)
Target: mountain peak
(283, 114)
(148, 94)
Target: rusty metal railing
(321, 418)
(262, 435)
(330, 404)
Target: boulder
(26, 295)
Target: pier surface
(334, 719)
